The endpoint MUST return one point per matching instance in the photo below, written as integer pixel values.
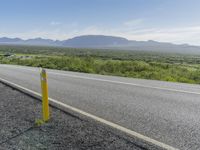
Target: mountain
(119, 43)
(36, 41)
(39, 41)
(107, 42)
(95, 41)
(9, 40)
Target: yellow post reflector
(44, 90)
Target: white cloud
(133, 23)
(178, 35)
(55, 23)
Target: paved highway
(166, 112)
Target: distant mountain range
(106, 42)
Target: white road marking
(111, 81)
(101, 120)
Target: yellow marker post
(45, 101)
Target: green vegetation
(137, 64)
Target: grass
(136, 64)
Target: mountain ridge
(109, 42)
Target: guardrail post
(44, 90)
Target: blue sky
(176, 21)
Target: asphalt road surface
(166, 112)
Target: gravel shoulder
(63, 131)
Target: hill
(106, 42)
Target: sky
(176, 21)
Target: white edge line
(110, 81)
(103, 121)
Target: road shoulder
(63, 131)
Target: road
(166, 112)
